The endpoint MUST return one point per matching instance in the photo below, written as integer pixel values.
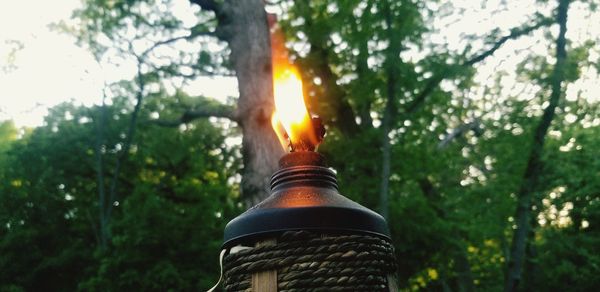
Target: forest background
(473, 127)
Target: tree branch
(127, 143)
(193, 34)
(432, 195)
(343, 115)
(435, 80)
(170, 70)
(389, 113)
(217, 8)
(100, 124)
(514, 34)
(210, 110)
(209, 5)
(531, 176)
(459, 131)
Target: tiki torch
(305, 236)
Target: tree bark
(392, 64)
(533, 169)
(342, 115)
(362, 69)
(112, 191)
(100, 122)
(244, 26)
(333, 106)
(363, 108)
(205, 110)
(386, 149)
(532, 269)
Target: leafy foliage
(176, 197)
(459, 149)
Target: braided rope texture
(307, 261)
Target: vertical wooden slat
(265, 281)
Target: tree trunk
(244, 26)
(463, 269)
(531, 267)
(464, 279)
(100, 123)
(246, 30)
(392, 61)
(532, 172)
(106, 200)
(333, 105)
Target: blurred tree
(146, 26)
(534, 163)
(177, 194)
(351, 53)
(448, 158)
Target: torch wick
(308, 141)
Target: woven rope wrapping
(307, 261)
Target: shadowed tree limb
(436, 79)
(172, 70)
(431, 84)
(459, 131)
(434, 197)
(342, 115)
(206, 111)
(128, 140)
(221, 13)
(345, 117)
(192, 35)
(364, 73)
(209, 5)
(392, 75)
(100, 123)
(534, 163)
(514, 34)
(107, 199)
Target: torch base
(307, 236)
(301, 260)
(304, 197)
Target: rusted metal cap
(304, 196)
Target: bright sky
(50, 68)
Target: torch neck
(303, 169)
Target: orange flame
(291, 120)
